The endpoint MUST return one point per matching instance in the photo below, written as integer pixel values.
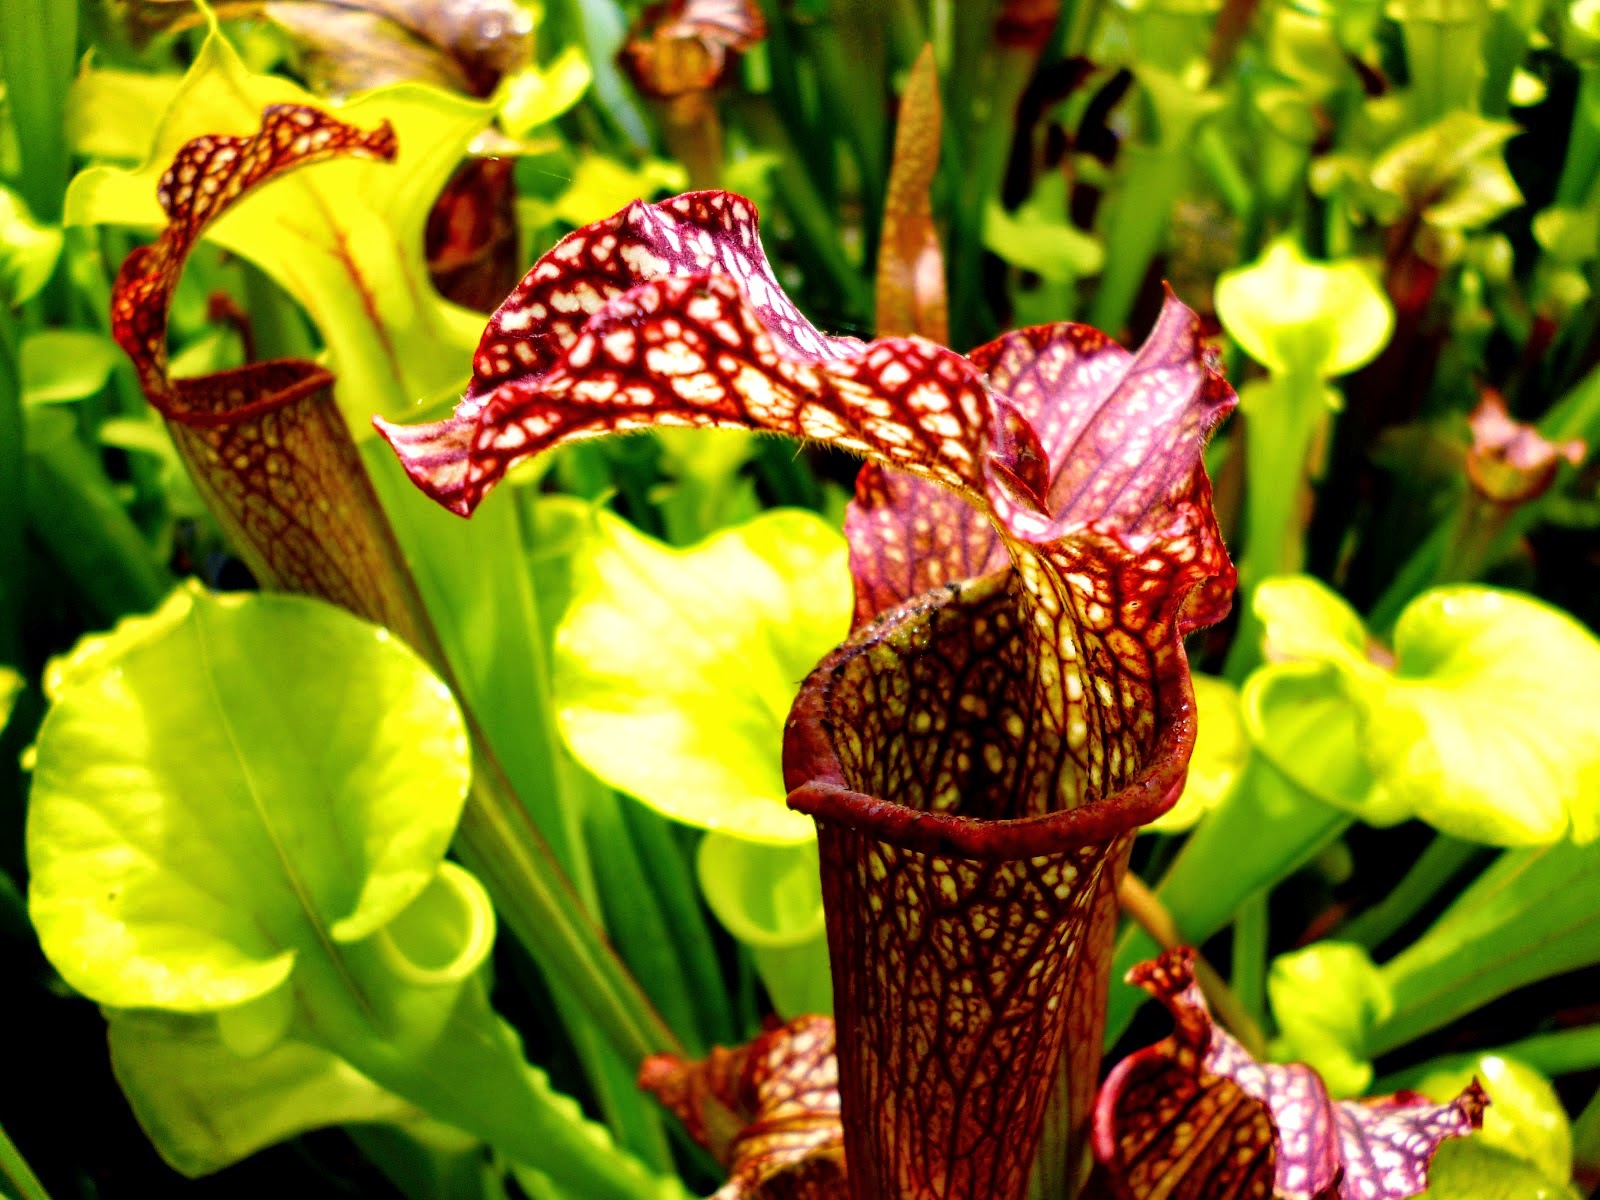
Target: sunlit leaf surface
(345, 241)
(674, 669)
(168, 870)
(1477, 723)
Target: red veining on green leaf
(768, 1111)
(978, 755)
(1196, 1116)
(265, 443)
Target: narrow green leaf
(74, 512)
(38, 51)
(1529, 916)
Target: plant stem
(1209, 880)
(1444, 859)
(637, 920)
(677, 894)
(1565, 1052)
(1145, 909)
(1250, 941)
(498, 842)
(981, 108)
(1136, 229)
(1281, 418)
(1444, 56)
(1527, 916)
(14, 1169)
(1583, 149)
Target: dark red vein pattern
(768, 1111)
(266, 444)
(1195, 1116)
(976, 755)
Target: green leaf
(11, 685)
(1482, 728)
(205, 809)
(1301, 720)
(1325, 998)
(770, 898)
(709, 487)
(28, 250)
(1038, 236)
(601, 185)
(1298, 317)
(764, 895)
(675, 669)
(1220, 751)
(1488, 732)
(1302, 618)
(1453, 172)
(240, 787)
(112, 114)
(1471, 1169)
(204, 1107)
(1526, 1118)
(343, 238)
(1529, 916)
(537, 95)
(60, 365)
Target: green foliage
(294, 816)
(1480, 728)
(1299, 318)
(1527, 1119)
(250, 844)
(28, 250)
(1220, 752)
(65, 364)
(345, 242)
(241, 807)
(1325, 998)
(674, 669)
